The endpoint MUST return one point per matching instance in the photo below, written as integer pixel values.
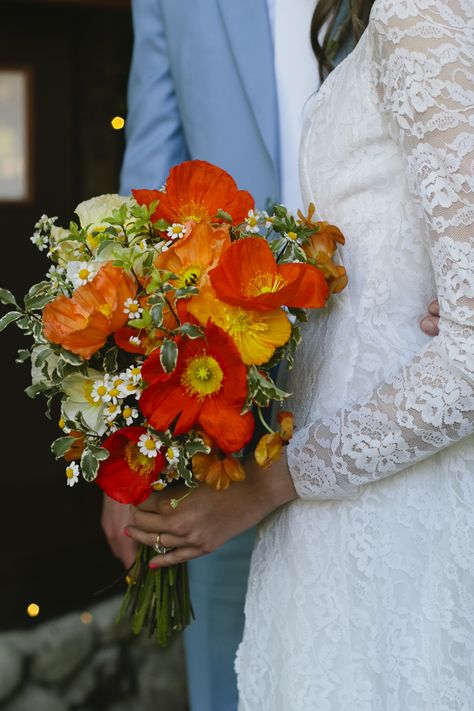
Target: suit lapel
(248, 30)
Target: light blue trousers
(218, 587)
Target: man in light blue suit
(202, 85)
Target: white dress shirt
(297, 77)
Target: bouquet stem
(157, 600)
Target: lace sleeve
(424, 73)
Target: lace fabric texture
(362, 591)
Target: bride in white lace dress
(361, 594)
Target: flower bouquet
(157, 328)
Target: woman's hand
(114, 517)
(429, 322)
(206, 518)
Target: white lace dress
(361, 594)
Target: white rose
(95, 210)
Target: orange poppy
(268, 450)
(208, 387)
(320, 249)
(248, 276)
(195, 191)
(191, 257)
(217, 472)
(82, 323)
(287, 425)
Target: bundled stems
(157, 600)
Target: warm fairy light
(118, 123)
(33, 610)
(86, 618)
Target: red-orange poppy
(82, 323)
(248, 276)
(195, 191)
(128, 474)
(207, 388)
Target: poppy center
(193, 212)
(203, 376)
(137, 461)
(265, 284)
(190, 276)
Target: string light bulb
(33, 610)
(117, 123)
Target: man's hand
(115, 517)
(429, 322)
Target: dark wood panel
(51, 545)
(110, 4)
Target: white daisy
(176, 230)
(132, 308)
(129, 414)
(172, 455)
(149, 445)
(268, 220)
(112, 411)
(291, 236)
(252, 222)
(134, 373)
(72, 474)
(80, 273)
(99, 391)
(135, 341)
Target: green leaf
(161, 225)
(168, 356)
(71, 358)
(223, 215)
(195, 447)
(191, 331)
(300, 314)
(37, 302)
(105, 243)
(89, 465)
(261, 390)
(6, 297)
(62, 445)
(9, 318)
(99, 453)
(110, 360)
(184, 471)
(41, 356)
(186, 292)
(157, 314)
(22, 355)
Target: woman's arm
(424, 75)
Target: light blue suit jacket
(202, 86)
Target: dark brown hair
(342, 29)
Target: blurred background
(63, 77)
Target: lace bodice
(361, 590)
(422, 76)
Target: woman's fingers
(167, 540)
(433, 308)
(179, 555)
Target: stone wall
(88, 662)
